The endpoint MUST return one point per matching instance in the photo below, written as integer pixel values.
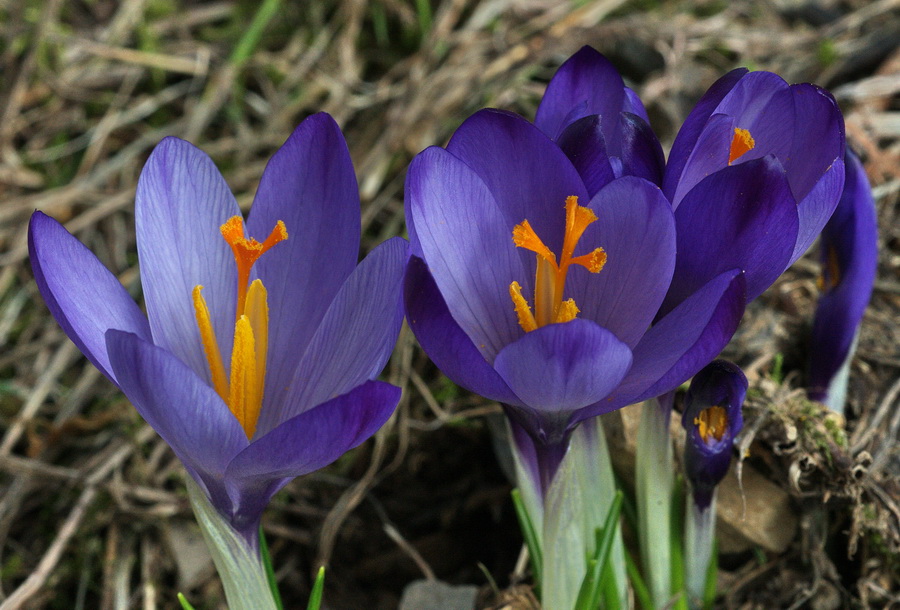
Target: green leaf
(185, 604)
(589, 594)
(270, 571)
(641, 592)
(530, 536)
(315, 597)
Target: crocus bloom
(753, 176)
(599, 123)
(256, 359)
(712, 419)
(849, 252)
(528, 291)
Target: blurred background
(93, 512)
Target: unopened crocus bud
(849, 253)
(712, 419)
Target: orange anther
(741, 144)
(712, 422)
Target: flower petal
(531, 186)
(693, 125)
(305, 443)
(640, 150)
(473, 269)
(181, 202)
(444, 341)
(850, 260)
(680, 344)
(84, 297)
(184, 411)
(354, 340)
(817, 207)
(818, 139)
(583, 143)
(560, 368)
(708, 155)
(636, 228)
(587, 83)
(310, 185)
(744, 217)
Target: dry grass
(93, 513)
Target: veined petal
(354, 340)
(185, 411)
(817, 207)
(680, 344)
(744, 217)
(448, 346)
(636, 228)
(693, 125)
(473, 269)
(587, 81)
(181, 202)
(560, 368)
(531, 186)
(310, 185)
(708, 155)
(84, 297)
(818, 139)
(583, 143)
(640, 150)
(306, 442)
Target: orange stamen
(741, 144)
(712, 422)
(247, 252)
(550, 277)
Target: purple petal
(181, 202)
(525, 172)
(680, 344)
(184, 411)
(695, 123)
(744, 217)
(472, 268)
(634, 105)
(84, 297)
(583, 143)
(636, 228)
(354, 340)
(818, 139)
(560, 368)
(817, 207)
(709, 155)
(640, 150)
(444, 341)
(310, 185)
(589, 82)
(849, 248)
(305, 443)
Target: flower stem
(699, 534)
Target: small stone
(437, 595)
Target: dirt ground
(93, 512)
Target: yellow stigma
(712, 422)
(741, 144)
(242, 389)
(550, 277)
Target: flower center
(550, 277)
(712, 422)
(741, 144)
(242, 389)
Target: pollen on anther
(525, 237)
(741, 144)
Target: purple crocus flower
(256, 360)
(599, 123)
(712, 419)
(525, 289)
(849, 248)
(754, 153)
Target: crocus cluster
(584, 289)
(256, 360)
